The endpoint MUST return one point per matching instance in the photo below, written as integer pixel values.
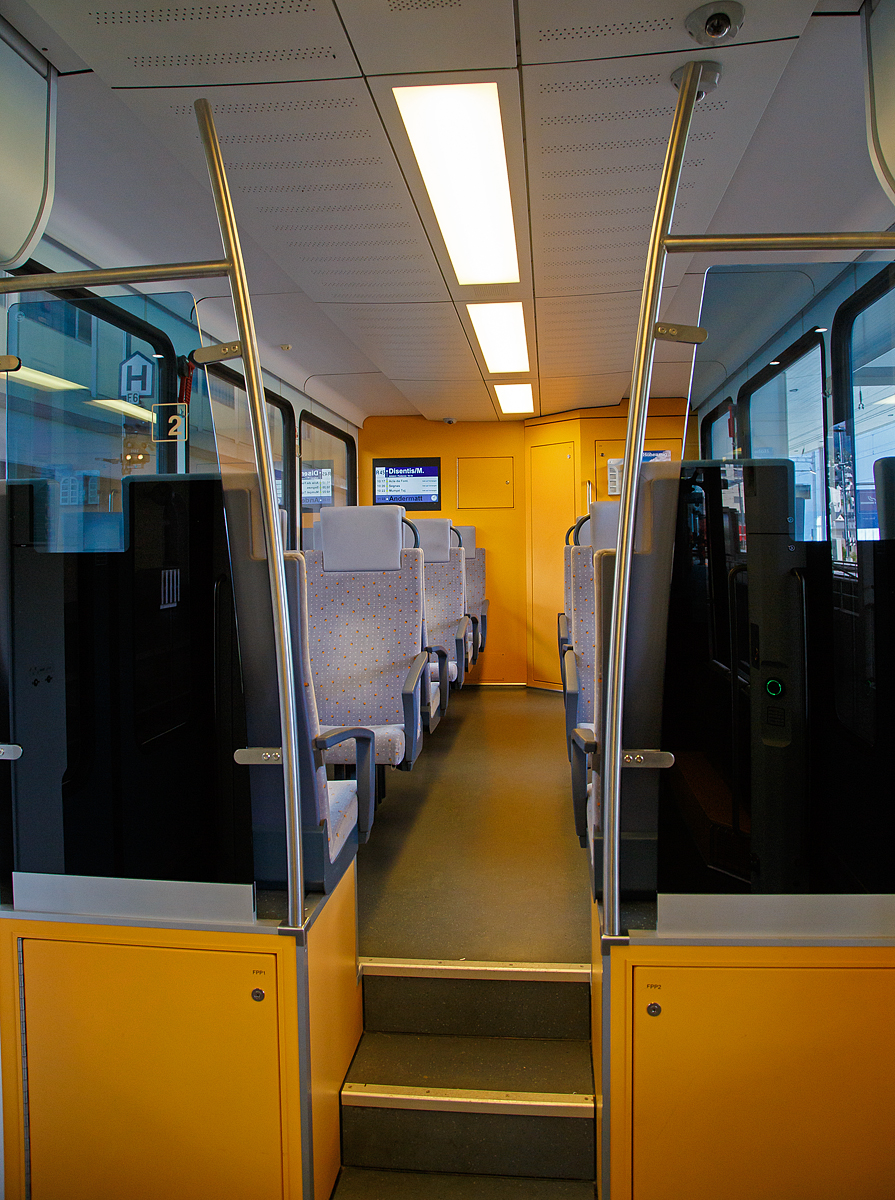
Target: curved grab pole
(456, 531)
(577, 527)
(273, 539)
(611, 764)
(416, 533)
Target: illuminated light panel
(456, 134)
(515, 397)
(500, 329)
(44, 382)
(123, 406)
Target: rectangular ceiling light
(457, 137)
(43, 381)
(134, 411)
(500, 329)
(515, 397)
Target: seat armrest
(483, 621)
(365, 758)
(562, 641)
(475, 638)
(444, 684)
(570, 694)
(411, 702)
(583, 744)
(460, 646)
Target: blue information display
(413, 482)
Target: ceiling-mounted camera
(714, 24)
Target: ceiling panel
(566, 30)
(371, 393)
(189, 43)
(430, 35)
(460, 400)
(409, 341)
(597, 134)
(314, 180)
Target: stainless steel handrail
(245, 324)
(611, 758)
(104, 276)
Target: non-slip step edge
(522, 1104)
(423, 968)
(365, 1183)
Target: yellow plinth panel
(151, 1068)
(746, 1072)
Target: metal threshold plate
(520, 1104)
(424, 968)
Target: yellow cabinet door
(151, 1072)
(770, 1083)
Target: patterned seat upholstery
(365, 616)
(334, 816)
(446, 620)
(476, 604)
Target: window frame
(309, 418)
(727, 405)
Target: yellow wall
(500, 530)
(524, 542)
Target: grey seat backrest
(365, 614)
(445, 585)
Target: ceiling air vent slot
(327, 208)
(600, 85)
(248, 10)
(261, 139)
(311, 164)
(414, 5)
(230, 58)
(364, 225)
(616, 29)
(603, 194)
(312, 187)
(269, 106)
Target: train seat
(446, 620)
(647, 626)
(476, 604)
(336, 814)
(365, 612)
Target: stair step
(495, 1106)
(521, 1000)
(359, 1183)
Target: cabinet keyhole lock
(257, 994)
(654, 1009)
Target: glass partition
(328, 459)
(139, 628)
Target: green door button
(774, 687)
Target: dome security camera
(449, 420)
(715, 24)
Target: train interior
(440, 764)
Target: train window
(719, 432)
(328, 468)
(782, 411)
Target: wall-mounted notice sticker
(171, 422)
(656, 456)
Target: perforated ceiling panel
(314, 179)
(430, 35)
(566, 30)
(183, 44)
(437, 399)
(409, 341)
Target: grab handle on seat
(365, 758)
(412, 732)
(416, 532)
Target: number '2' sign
(171, 422)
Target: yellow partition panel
(151, 1072)
(337, 1022)
(753, 1072)
(552, 511)
(485, 483)
(151, 1069)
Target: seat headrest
(435, 539)
(467, 533)
(603, 525)
(361, 539)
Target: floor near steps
(473, 854)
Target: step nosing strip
(470, 1100)
(443, 968)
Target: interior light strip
(515, 397)
(44, 382)
(457, 136)
(134, 411)
(500, 329)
